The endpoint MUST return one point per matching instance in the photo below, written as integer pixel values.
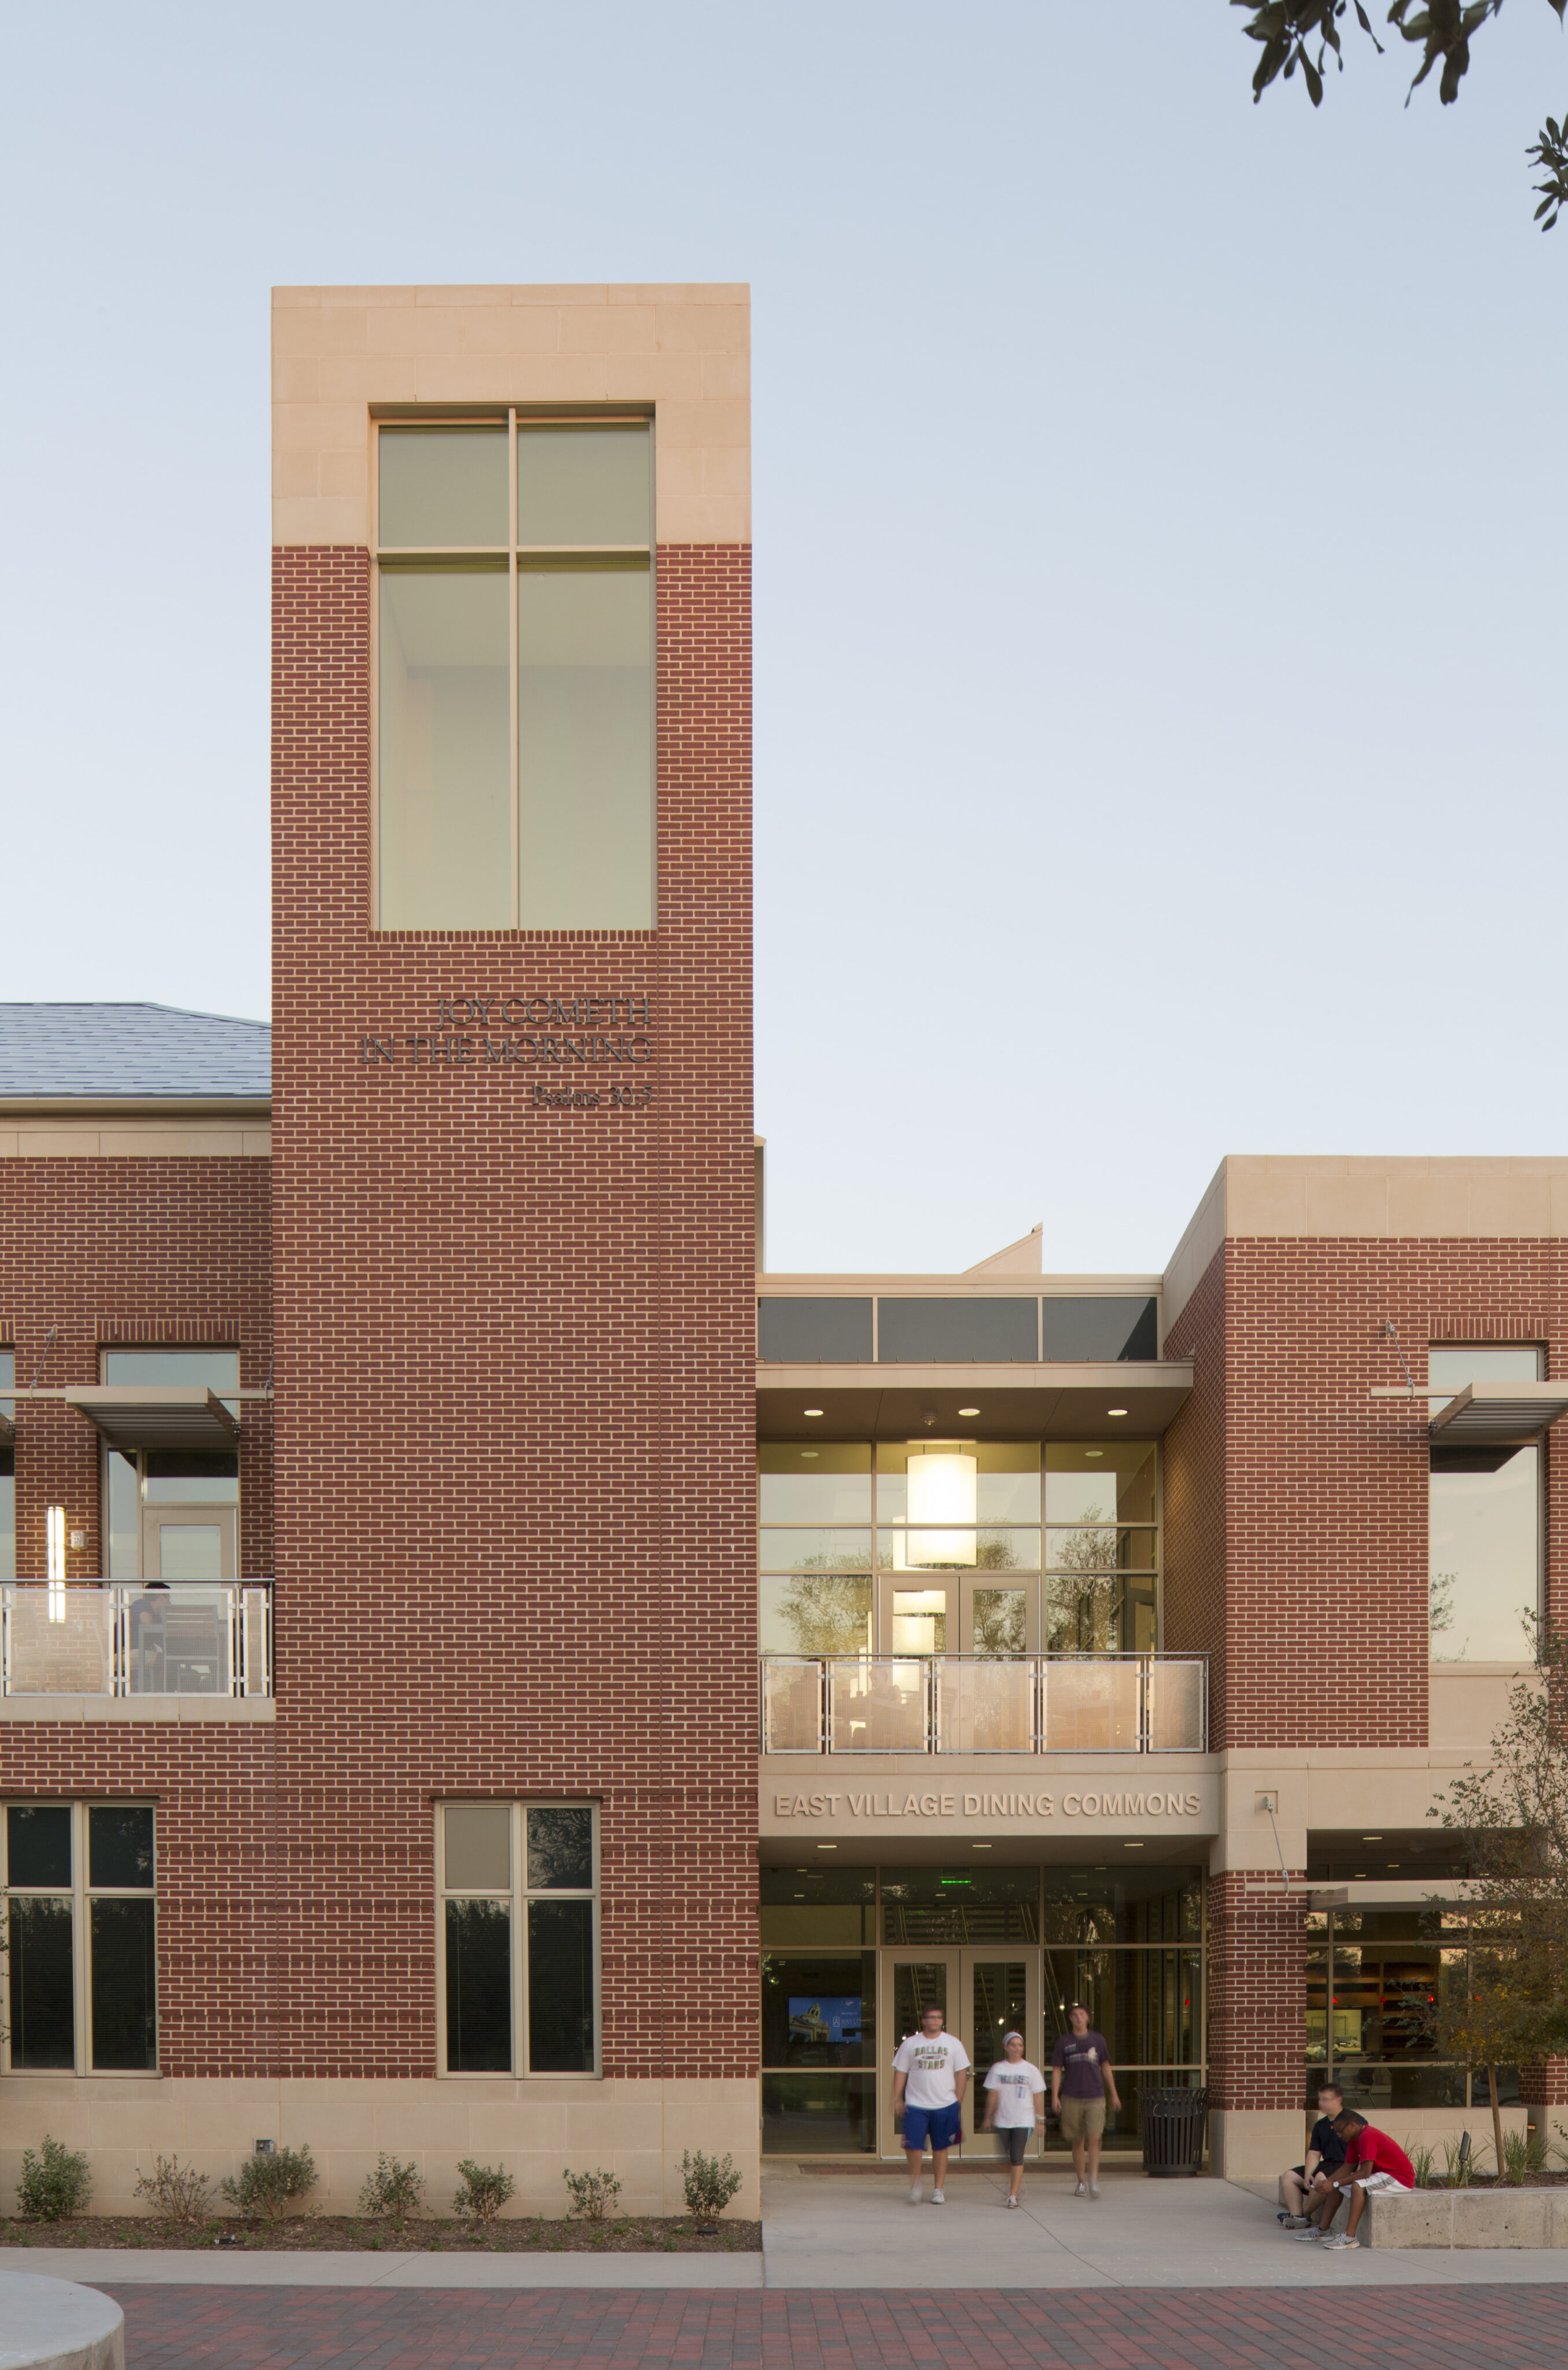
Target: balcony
(61, 1638)
(1070, 1703)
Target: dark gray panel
(953, 1333)
(1094, 1332)
(813, 1332)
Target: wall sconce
(56, 1532)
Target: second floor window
(1484, 1522)
(515, 658)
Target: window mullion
(511, 650)
(81, 1973)
(519, 1936)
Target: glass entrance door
(972, 1613)
(982, 1994)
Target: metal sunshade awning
(157, 1415)
(1498, 1415)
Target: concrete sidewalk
(859, 2231)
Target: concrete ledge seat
(1466, 2217)
(58, 2325)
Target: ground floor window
(518, 1943)
(81, 1968)
(851, 1956)
(1373, 1976)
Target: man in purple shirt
(1081, 2080)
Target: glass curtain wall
(1373, 1978)
(844, 1946)
(958, 1547)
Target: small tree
(1512, 1819)
(593, 2194)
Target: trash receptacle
(1170, 2125)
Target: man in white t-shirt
(1014, 2090)
(931, 2074)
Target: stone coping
(1466, 2217)
(58, 2325)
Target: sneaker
(938, 2198)
(915, 2197)
(1081, 2191)
(1013, 2203)
(1094, 2189)
(1342, 2238)
(1306, 2238)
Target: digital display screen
(818, 2018)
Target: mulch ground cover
(340, 2234)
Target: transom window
(81, 1972)
(517, 1950)
(515, 655)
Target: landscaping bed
(343, 2233)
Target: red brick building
(488, 1670)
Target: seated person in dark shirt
(1303, 2188)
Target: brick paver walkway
(1125, 2329)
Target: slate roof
(110, 1052)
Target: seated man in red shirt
(1371, 2161)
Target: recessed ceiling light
(1371, 1840)
(1127, 1847)
(969, 1410)
(827, 1847)
(1115, 1410)
(980, 1846)
(810, 1410)
(811, 1452)
(1094, 1452)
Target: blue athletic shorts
(943, 2127)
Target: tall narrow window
(7, 1468)
(515, 713)
(518, 1942)
(82, 1934)
(1483, 1523)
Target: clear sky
(1160, 588)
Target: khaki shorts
(1083, 2119)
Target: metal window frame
(517, 1896)
(512, 416)
(81, 1893)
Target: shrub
(1423, 2155)
(485, 2191)
(55, 2182)
(393, 2191)
(177, 2192)
(268, 2186)
(710, 2184)
(592, 2193)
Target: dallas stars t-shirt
(929, 2066)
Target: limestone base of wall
(1467, 2217)
(537, 2130)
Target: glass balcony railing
(1048, 1703)
(65, 1637)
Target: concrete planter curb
(1467, 2217)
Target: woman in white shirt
(1014, 2090)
